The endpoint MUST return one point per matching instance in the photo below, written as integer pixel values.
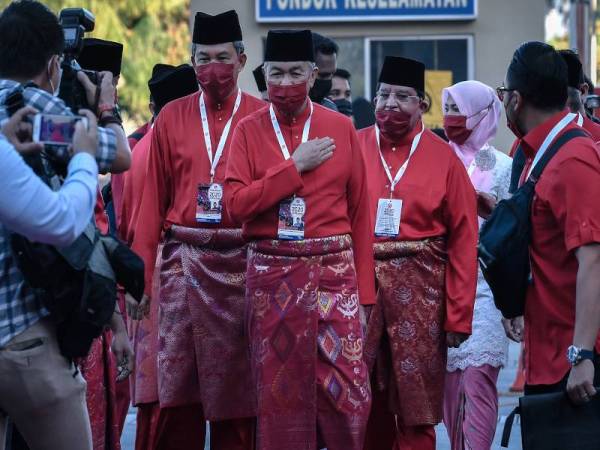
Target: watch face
(573, 354)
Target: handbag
(553, 422)
(503, 248)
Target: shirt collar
(225, 105)
(407, 139)
(533, 140)
(288, 120)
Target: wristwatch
(575, 355)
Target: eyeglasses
(501, 90)
(401, 98)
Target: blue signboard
(363, 10)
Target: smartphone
(55, 129)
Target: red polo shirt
(565, 216)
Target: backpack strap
(518, 164)
(553, 149)
(136, 136)
(508, 427)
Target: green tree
(151, 31)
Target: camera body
(75, 23)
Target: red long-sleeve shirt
(258, 178)
(177, 163)
(438, 199)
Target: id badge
(209, 203)
(388, 217)
(291, 219)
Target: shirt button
(220, 118)
(296, 137)
(393, 149)
(387, 186)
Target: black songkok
(100, 55)
(259, 77)
(171, 84)
(574, 67)
(289, 45)
(219, 29)
(403, 72)
(159, 70)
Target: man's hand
(453, 340)
(19, 133)
(313, 153)
(135, 310)
(514, 328)
(121, 348)
(485, 204)
(85, 139)
(580, 385)
(107, 90)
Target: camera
(75, 23)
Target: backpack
(503, 249)
(78, 283)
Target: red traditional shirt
(565, 216)
(335, 193)
(438, 199)
(133, 187)
(178, 162)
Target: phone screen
(57, 129)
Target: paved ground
(507, 403)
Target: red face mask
(216, 80)
(287, 98)
(456, 129)
(394, 125)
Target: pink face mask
(456, 129)
(289, 98)
(394, 125)
(216, 80)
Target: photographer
(31, 48)
(39, 390)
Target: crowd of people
(310, 261)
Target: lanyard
(394, 181)
(579, 120)
(282, 145)
(551, 136)
(214, 161)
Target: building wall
(500, 27)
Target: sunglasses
(501, 91)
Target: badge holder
(292, 212)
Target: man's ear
(584, 88)
(242, 57)
(312, 77)
(424, 106)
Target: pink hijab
(481, 105)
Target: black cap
(403, 72)
(259, 77)
(574, 68)
(100, 55)
(289, 45)
(171, 84)
(219, 29)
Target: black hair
(342, 73)
(29, 35)
(324, 45)
(540, 75)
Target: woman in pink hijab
(471, 114)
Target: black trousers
(561, 386)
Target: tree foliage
(151, 31)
